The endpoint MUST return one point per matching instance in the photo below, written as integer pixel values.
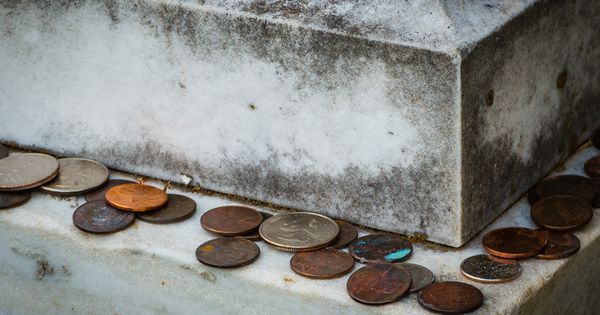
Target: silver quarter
(77, 176)
(26, 171)
(489, 269)
(299, 231)
(420, 275)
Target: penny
(3, 152)
(490, 269)
(450, 297)
(325, 263)
(572, 185)
(13, 199)
(559, 245)
(99, 193)
(562, 213)
(77, 176)
(299, 231)
(136, 197)
(379, 283)
(592, 166)
(231, 220)
(348, 233)
(596, 139)
(98, 217)
(178, 208)
(227, 252)
(420, 276)
(514, 242)
(376, 248)
(255, 236)
(26, 171)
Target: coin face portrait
(77, 176)
(26, 171)
(299, 231)
(420, 275)
(231, 220)
(450, 297)
(514, 242)
(378, 283)
(98, 217)
(562, 213)
(322, 264)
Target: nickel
(450, 297)
(227, 252)
(136, 197)
(98, 217)
(322, 264)
(77, 176)
(379, 283)
(562, 213)
(377, 248)
(489, 269)
(514, 242)
(26, 171)
(299, 231)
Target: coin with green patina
(377, 248)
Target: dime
(231, 220)
(178, 208)
(420, 276)
(592, 166)
(559, 245)
(348, 233)
(3, 152)
(136, 197)
(378, 283)
(325, 263)
(26, 171)
(514, 242)
(572, 185)
(562, 213)
(376, 248)
(77, 176)
(299, 231)
(255, 236)
(98, 217)
(98, 194)
(13, 199)
(596, 138)
(490, 269)
(227, 252)
(450, 297)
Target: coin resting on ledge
(231, 220)
(299, 231)
(178, 208)
(136, 197)
(77, 176)
(27, 171)
(325, 263)
(488, 269)
(99, 193)
(450, 297)
(227, 252)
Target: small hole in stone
(489, 98)
(252, 106)
(561, 80)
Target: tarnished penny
(377, 248)
(562, 213)
(348, 233)
(572, 185)
(136, 197)
(3, 152)
(490, 269)
(592, 166)
(325, 263)
(178, 208)
(559, 245)
(299, 231)
(227, 252)
(255, 236)
(26, 171)
(379, 283)
(13, 199)
(231, 220)
(99, 193)
(450, 297)
(420, 276)
(514, 242)
(77, 176)
(98, 217)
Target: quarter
(490, 269)
(562, 213)
(99, 193)
(77, 176)
(136, 197)
(178, 208)
(420, 276)
(514, 242)
(572, 185)
(378, 283)
(231, 220)
(299, 231)
(559, 245)
(592, 166)
(450, 297)
(348, 233)
(325, 263)
(227, 252)
(377, 248)
(98, 217)
(26, 171)
(13, 199)
(3, 152)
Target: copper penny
(348, 233)
(136, 197)
(98, 217)
(596, 200)
(98, 194)
(420, 276)
(490, 269)
(178, 208)
(255, 236)
(376, 248)
(592, 166)
(379, 283)
(227, 252)
(13, 199)
(3, 152)
(77, 176)
(572, 185)
(325, 263)
(27, 171)
(450, 297)
(559, 245)
(514, 242)
(562, 213)
(231, 220)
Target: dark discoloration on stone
(43, 267)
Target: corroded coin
(99, 193)
(559, 245)
(299, 231)
(514, 242)
(325, 263)
(178, 208)
(98, 217)
(490, 269)
(26, 171)
(255, 236)
(231, 220)
(227, 252)
(562, 213)
(77, 176)
(450, 297)
(13, 199)
(572, 185)
(136, 197)
(376, 248)
(348, 233)
(379, 283)
(3, 152)
(592, 166)
(420, 276)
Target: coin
(299, 231)
(450, 297)
(378, 283)
(3, 152)
(255, 236)
(490, 269)
(227, 252)
(562, 213)
(532, 197)
(348, 233)
(514, 242)
(99, 193)
(572, 185)
(376, 248)
(596, 138)
(98, 217)
(592, 166)
(136, 197)
(420, 276)
(26, 171)
(77, 176)
(13, 199)
(596, 200)
(231, 220)
(325, 263)
(178, 208)
(559, 245)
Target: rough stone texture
(375, 112)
